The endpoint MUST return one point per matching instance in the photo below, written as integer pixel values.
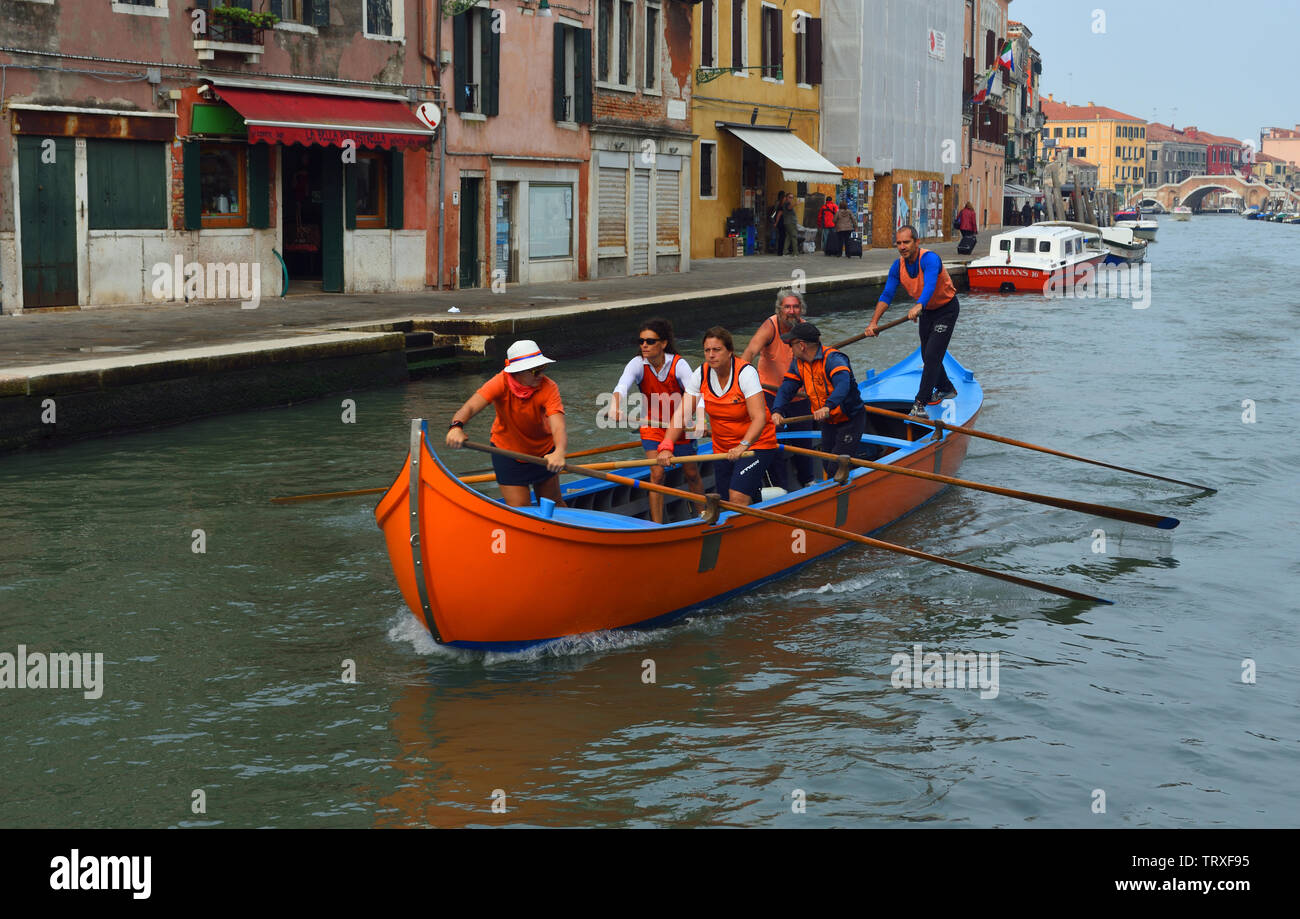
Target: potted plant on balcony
(240, 25)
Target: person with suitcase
(846, 226)
(826, 220)
(966, 223)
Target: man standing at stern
(923, 277)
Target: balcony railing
(230, 37)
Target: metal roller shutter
(640, 222)
(667, 210)
(611, 230)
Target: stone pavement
(61, 337)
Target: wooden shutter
(460, 59)
(396, 190)
(813, 66)
(320, 13)
(193, 188)
(331, 218)
(778, 45)
(491, 68)
(706, 33)
(557, 74)
(126, 185)
(259, 186)
(582, 78)
(276, 7)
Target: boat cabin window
(1004, 245)
(1024, 244)
(1045, 246)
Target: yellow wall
(732, 98)
(1103, 137)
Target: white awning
(797, 161)
(1019, 191)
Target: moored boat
(1121, 244)
(1144, 227)
(479, 574)
(1182, 213)
(1029, 258)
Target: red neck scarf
(519, 389)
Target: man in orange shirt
(530, 419)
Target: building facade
(983, 151)
(1116, 142)
(756, 110)
(1172, 156)
(642, 145)
(136, 171)
(1283, 143)
(1024, 114)
(892, 111)
(1224, 156)
(1273, 170)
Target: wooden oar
(467, 479)
(1028, 446)
(800, 524)
(1097, 510)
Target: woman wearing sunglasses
(662, 376)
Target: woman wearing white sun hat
(530, 419)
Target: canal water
(223, 700)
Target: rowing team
(796, 376)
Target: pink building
(147, 134)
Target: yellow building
(756, 106)
(1116, 142)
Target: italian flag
(1004, 59)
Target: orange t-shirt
(521, 423)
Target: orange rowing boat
(479, 574)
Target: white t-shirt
(750, 384)
(635, 368)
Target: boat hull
(1010, 277)
(484, 575)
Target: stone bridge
(1191, 192)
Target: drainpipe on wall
(442, 133)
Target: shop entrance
(753, 193)
(301, 201)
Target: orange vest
(943, 289)
(775, 358)
(817, 384)
(659, 398)
(729, 414)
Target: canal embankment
(71, 374)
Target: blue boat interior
(594, 503)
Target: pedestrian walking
(845, 225)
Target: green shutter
(331, 219)
(557, 76)
(460, 59)
(582, 79)
(320, 13)
(126, 184)
(193, 189)
(259, 186)
(396, 190)
(349, 196)
(276, 7)
(491, 67)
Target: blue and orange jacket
(828, 380)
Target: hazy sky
(1228, 68)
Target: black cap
(804, 331)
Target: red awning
(305, 118)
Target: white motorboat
(1182, 213)
(1121, 244)
(1029, 258)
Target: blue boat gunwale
(970, 399)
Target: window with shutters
(739, 36)
(295, 15)
(615, 46)
(141, 7)
(709, 33)
(801, 48)
(126, 183)
(223, 184)
(566, 77)
(708, 169)
(653, 20)
(380, 18)
(770, 26)
(476, 61)
(371, 190)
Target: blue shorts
(513, 472)
(745, 475)
(681, 448)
